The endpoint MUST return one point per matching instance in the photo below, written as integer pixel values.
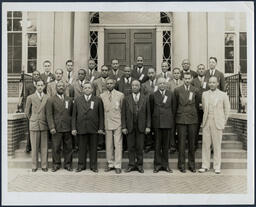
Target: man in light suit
(79, 83)
(115, 72)
(162, 105)
(69, 75)
(186, 69)
(91, 73)
(112, 101)
(124, 85)
(36, 113)
(47, 76)
(100, 85)
(176, 81)
(87, 123)
(214, 72)
(187, 105)
(139, 72)
(51, 87)
(167, 75)
(59, 115)
(216, 108)
(136, 122)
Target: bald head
(135, 86)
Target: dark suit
(117, 76)
(162, 121)
(142, 77)
(136, 118)
(125, 88)
(186, 122)
(87, 119)
(193, 73)
(220, 77)
(47, 78)
(59, 116)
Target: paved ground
(229, 181)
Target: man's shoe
(94, 170)
(172, 150)
(45, 169)
(34, 170)
(107, 169)
(217, 171)
(155, 170)
(203, 170)
(140, 170)
(129, 169)
(193, 170)
(118, 170)
(182, 170)
(80, 169)
(28, 150)
(100, 148)
(167, 169)
(54, 169)
(68, 168)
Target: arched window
(94, 18)
(164, 18)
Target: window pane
(10, 53)
(243, 39)
(10, 39)
(17, 25)
(31, 66)
(229, 39)
(243, 65)
(17, 39)
(9, 66)
(9, 14)
(31, 25)
(16, 66)
(229, 53)
(9, 25)
(229, 66)
(243, 52)
(229, 21)
(17, 14)
(32, 53)
(17, 52)
(32, 39)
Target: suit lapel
(130, 101)
(42, 103)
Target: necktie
(177, 82)
(165, 76)
(136, 98)
(40, 95)
(152, 84)
(81, 84)
(110, 97)
(211, 73)
(69, 76)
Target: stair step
(227, 129)
(148, 163)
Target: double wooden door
(127, 44)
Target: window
(94, 47)
(243, 52)
(14, 36)
(229, 52)
(167, 47)
(95, 18)
(164, 18)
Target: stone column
(180, 38)
(159, 49)
(81, 40)
(100, 49)
(197, 29)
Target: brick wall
(17, 131)
(239, 126)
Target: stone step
(148, 163)
(226, 153)
(227, 129)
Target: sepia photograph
(128, 103)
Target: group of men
(134, 108)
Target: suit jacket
(200, 86)
(77, 89)
(125, 88)
(29, 90)
(51, 89)
(221, 108)
(162, 110)
(193, 73)
(59, 113)
(72, 78)
(91, 77)
(88, 116)
(99, 86)
(173, 84)
(114, 76)
(143, 77)
(45, 78)
(186, 109)
(112, 109)
(144, 116)
(147, 89)
(36, 112)
(168, 74)
(220, 77)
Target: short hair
(91, 60)
(127, 66)
(176, 68)
(40, 80)
(136, 81)
(88, 82)
(114, 59)
(215, 78)
(36, 71)
(187, 73)
(59, 69)
(165, 62)
(201, 64)
(82, 70)
(139, 56)
(69, 61)
(152, 68)
(61, 81)
(214, 58)
(104, 66)
(47, 61)
(110, 78)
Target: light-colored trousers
(39, 142)
(114, 147)
(211, 135)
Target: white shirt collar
(138, 95)
(42, 94)
(127, 79)
(87, 97)
(115, 72)
(60, 96)
(162, 92)
(186, 87)
(213, 71)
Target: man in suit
(162, 105)
(78, 85)
(112, 101)
(30, 88)
(51, 87)
(186, 69)
(87, 123)
(214, 72)
(47, 76)
(115, 72)
(139, 72)
(167, 75)
(69, 75)
(124, 85)
(200, 83)
(136, 122)
(59, 115)
(91, 73)
(35, 112)
(187, 100)
(216, 108)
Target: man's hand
(74, 132)
(53, 131)
(100, 131)
(147, 130)
(125, 131)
